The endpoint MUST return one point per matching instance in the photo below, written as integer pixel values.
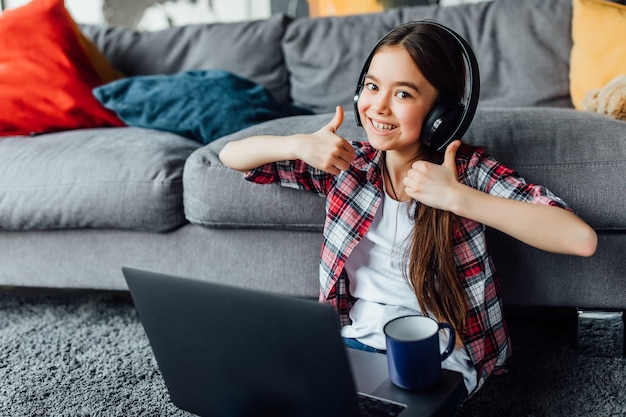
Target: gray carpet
(86, 355)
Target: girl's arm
(545, 227)
(252, 152)
(322, 150)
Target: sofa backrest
(522, 47)
(249, 49)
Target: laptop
(229, 351)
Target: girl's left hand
(432, 184)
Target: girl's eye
(402, 94)
(371, 86)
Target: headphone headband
(446, 121)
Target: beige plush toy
(609, 100)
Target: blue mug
(413, 354)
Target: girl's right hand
(324, 149)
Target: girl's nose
(380, 104)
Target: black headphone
(448, 119)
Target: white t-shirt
(375, 269)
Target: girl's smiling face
(395, 101)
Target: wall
(158, 14)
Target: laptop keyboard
(377, 407)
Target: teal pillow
(203, 105)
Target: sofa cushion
(217, 196)
(599, 50)
(47, 71)
(203, 105)
(522, 48)
(127, 178)
(577, 155)
(203, 46)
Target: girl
(405, 225)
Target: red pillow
(46, 73)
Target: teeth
(382, 126)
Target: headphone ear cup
(357, 94)
(439, 124)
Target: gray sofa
(76, 206)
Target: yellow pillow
(599, 50)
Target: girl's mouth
(383, 127)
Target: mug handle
(451, 341)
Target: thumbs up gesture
(432, 184)
(325, 149)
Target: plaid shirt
(352, 198)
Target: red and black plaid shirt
(352, 198)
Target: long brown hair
(432, 268)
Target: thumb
(337, 120)
(449, 159)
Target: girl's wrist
(293, 147)
(461, 200)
